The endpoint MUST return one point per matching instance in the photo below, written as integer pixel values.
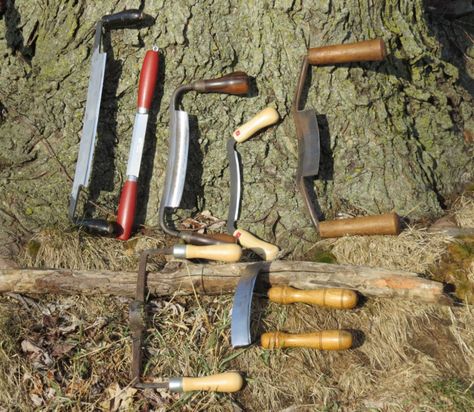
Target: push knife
(128, 198)
(264, 118)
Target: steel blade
(309, 150)
(89, 129)
(240, 322)
(136, 146)
(235, 187)
(177, 160)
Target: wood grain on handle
(369, 50)
(386, 224)
(330, 298)
(265, 250)
(233, 83)
(262, 119)
(224, 252)
(222, 382)
(324, 340)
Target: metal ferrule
(179, 251)
(132, 178)
(175, 384)
(142, 110)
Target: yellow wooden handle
(223, 252)
(262, 119)
(222, 382)
(325, 340)
(330, 298)
(264, 249)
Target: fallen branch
(184, 278)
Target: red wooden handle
(148, 76)
(126, 209)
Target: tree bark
(395, 135)
(182, 278)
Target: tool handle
(126, 209)
(325, 340)
(123, 19)
(222, 382)
(265, 250)
(147, 82)
(386, 224)
(207, 239)
(232, 83)
(223, 252)
(262, 119)
(369, 50)
(329, 298)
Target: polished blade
(235, 187)
(308, 141)
(89, 129)
(240, 322)
(136, 146)
(177, 160)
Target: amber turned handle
(329, 298)
(369, 50)
(232, 83)
(386, 224)
(325, 340)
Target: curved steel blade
(235, 187)
(177, 160)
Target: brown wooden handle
(386, 224)
(330, 298)
(222, 382)
(233, 83)
(325, 340)
(369, 50)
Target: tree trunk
(216, 279)
(395, 135)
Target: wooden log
(184, 278)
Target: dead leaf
(118, 399)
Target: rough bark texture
(396, 135)
(186, 279)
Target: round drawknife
(263, 119)
(146, 89)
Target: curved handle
(325, 340)
(126, 209)
(386, 224)
(199, 239)
(329, 298)
(369, 50)
(265, 250)
(262, 119)
(148, 76)
(224, 252)
(123, 19)
(222, 382)
(233, 83)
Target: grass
(73, 353)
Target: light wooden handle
(386, 224)
(222, 382)
(369, 50)
(330, 298)
(262, 119)
(224, 252)
(325, 340)
(264, 249)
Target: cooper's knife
(236, 83)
